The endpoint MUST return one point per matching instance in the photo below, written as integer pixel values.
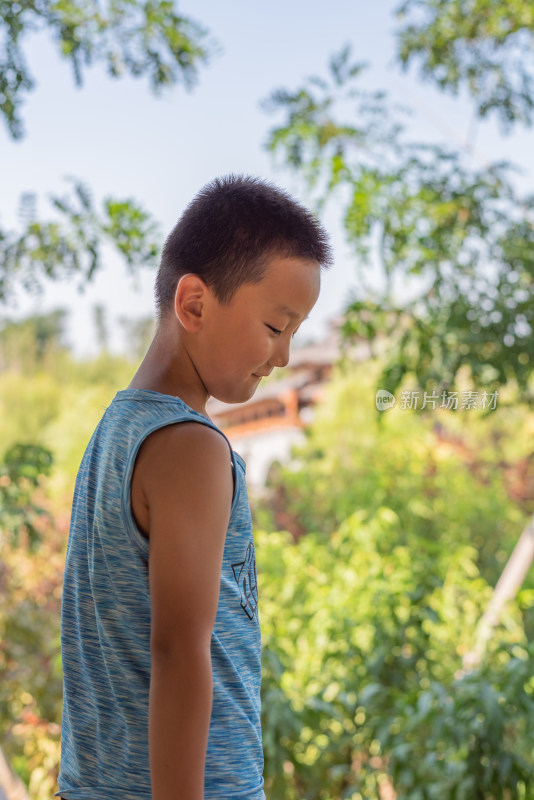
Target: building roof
(315, 354)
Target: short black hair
(229, 231)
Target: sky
(122, 141)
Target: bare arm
(187, 480)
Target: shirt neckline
(125, 394)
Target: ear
(190, 301)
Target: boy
(160, 633)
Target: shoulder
(196, 441)
(181, 465)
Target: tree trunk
(11, 786)
(506, 589)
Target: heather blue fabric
(105, 625)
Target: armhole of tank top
(132, 528)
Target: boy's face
(245, 339)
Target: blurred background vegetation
(379, 546)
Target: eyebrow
(286, 310)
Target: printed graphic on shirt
(245, 576)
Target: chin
(236, 395)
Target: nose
(280, 356)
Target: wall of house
(262, 448)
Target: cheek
(241, 348)
(261, 347)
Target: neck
(168, 368)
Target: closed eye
(279, 333)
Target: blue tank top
(105, 625)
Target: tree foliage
(136, 37)
(451, 477)
(459, 240)
(362, 684)
(367, 617)
(20, 471)
(33, 343)
(71, 244)
(48, 397)
(484, 46)
(30, 663)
